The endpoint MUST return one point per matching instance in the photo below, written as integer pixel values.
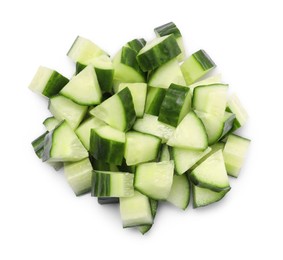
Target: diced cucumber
(118, 111)
(129, 58)
(78, 175)
(38, 145)
(158, 52)
(184, 159)
(112, 184)
(211, 173)
(135, 210)
(165, 153)
(47, 82)
(141, 147)
(171, 28)
(153, 206)
(211, 99)
(155, 179)
(138, 91)
(189, 134)
(176, 104)
(234, 105)
(196, 66)
(154, 100)
(179, 194)
(203, 197)
(83, 50)
(150, 125)
(215, 79)
(107, 144)
(63, 108)
(165, 75)
(50, 123)
(136, 44)
(234, 153)
(62, 145)
(83, 131)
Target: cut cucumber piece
(128, 57)
(83, 131)
(38, 145)
(211, 99)
(83, 88)
(179, 194)
(211, 173)
(107, 144)
(50, 123)
(234, 153)
(189, 134)
(141, 147)
(176, 104)
(78, 175)
(47, 82)
(234, 105)
(150, 125)
(135, 210)
(171, 28)
(153, 206)
(215, 79)
(63, 108)
(112, 184)
(154, 100)
(136, 44)
(165, 153)
(155, 179)
(62, 145)
(117, 111)
(138, 91)
(83, 50)
(203, 197)
(158, 52)
(196, 66)
(184, 159)
(167, 74)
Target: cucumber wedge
(154, 100)
(50, 123)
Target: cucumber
(214, 79)
(63, 108)
(234, 153)
(136, 44)
(197, 66)
(129, 58)
(38, 145)
(135, 210)
(165, 75)
(153, 206)
(203, 197)
(83, 131)
(62, 145)
(164, 153)
(47, 82)
(184, 159)
(150, 125)
(107, 144)
(179, 194)
(141, 148)
(107, 200)
(154, 100)
(189, 134)
(211, 99)
(234, 105)
(171, 28)
(112, 184)
(138, 91)
(117, 111)
(154, 179)
(211, 173)
(84, 50)
(83, 88)
(176, 104)
(78, 175)
(50, 123)
(158, 52)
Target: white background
(40, 218)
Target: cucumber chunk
(153, 206)
(154, 100)
(50, 123)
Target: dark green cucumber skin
(106, 150)
(54, 85)
(154, 107)
(204, 60)
(137, 44)
(38, 145)
(129, 58)
(129, 109)
(166, 29)
(107, 200)
(125, 168)
(104, 77)
(153, 58)
(172, 104)
(99, 165)
(153, 207)
(100, 184)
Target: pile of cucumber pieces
(145, 126)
